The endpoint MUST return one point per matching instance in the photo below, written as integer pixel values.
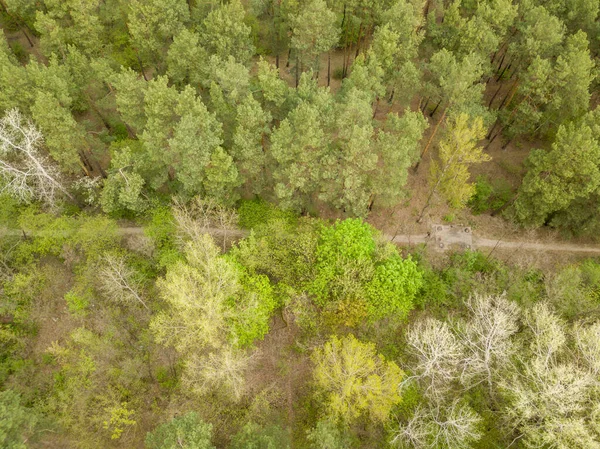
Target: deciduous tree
(26, 172)
(355, 380)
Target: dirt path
(478, 242)
(481, 242)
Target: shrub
(488, 196)
(258, 212)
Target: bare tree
(552, 396)
(547, 330)
(439, 355)
(27, 173)
(487, 337)
(223, 368)
(204, 216)
(117, 281)
(587, 340)
(453, 426)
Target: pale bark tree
(487, 338)
(438, 354)
(27, 173)
(552, 398)
(117, 281)
(444, 427)
(203, 216)
(221, 370)
(587, 340)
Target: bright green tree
(355, 278)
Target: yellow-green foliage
(355, 380)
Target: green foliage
(186, 432)
(255, 303)
(345, 251)
(254, 436)
(393, 287)
(355, 277)
(560, 179)
(77, 302)
(489, 196)
(355, 380)
(162, 230)
(457, 151)
(17, 423)
(257, 212)
(327, 434)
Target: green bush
(489, 196)
(162, 231)
(255, 213)
(78, 302)
(338, 73)
(19, 51)
(184, 431)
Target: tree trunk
(297, 70)
(509, 95)
(358, 41)
(435, 129)
(503, 70)
(141, 66)
(501, 62)
(492, 128)
(494, 96)
(436, 108)
(328, 68)
(22, 24)
(287, 63)
(492, 139)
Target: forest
(199, 205)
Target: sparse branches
(27, 173)
(118, 281)
(223, 369)
(204, 216)
(438, 354)
(487, 337)
(446, 427)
